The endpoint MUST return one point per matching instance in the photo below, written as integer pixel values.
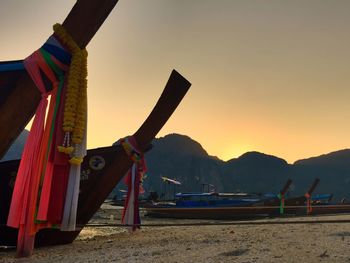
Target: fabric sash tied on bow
(281, 198)
(39, 198)
(308, 203)
(133, 180)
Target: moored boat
(322, 204)
(101, 170)
(207, 206)
(243, 205)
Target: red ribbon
(133, 179)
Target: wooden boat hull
(93, 168)
(292, 206)
(102, 169)
(330, 209)
(243, 212)
(230, 213)
(267, 208)
(217, 213)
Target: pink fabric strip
(24, 200)
(48, 172)
(23, 203)
(46, 187)
(19, 203)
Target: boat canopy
(321, 197)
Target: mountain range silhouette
(182, 158)
(179, 157)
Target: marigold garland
(130, 150)
(74, 119)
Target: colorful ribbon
(45, 174)
(281, 198)
(133, 179)
(308, 203)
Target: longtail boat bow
(97, 181)
(20, 97)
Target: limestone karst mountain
(182, 158)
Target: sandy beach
(210, 243)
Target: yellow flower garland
(75, 108)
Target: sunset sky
(267, 75)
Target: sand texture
(214, 243)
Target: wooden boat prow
(102, 169)
(22, 97)
(93, 168)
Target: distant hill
(333, 169)
(180, 157)
(257, 172)
(334, 159)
